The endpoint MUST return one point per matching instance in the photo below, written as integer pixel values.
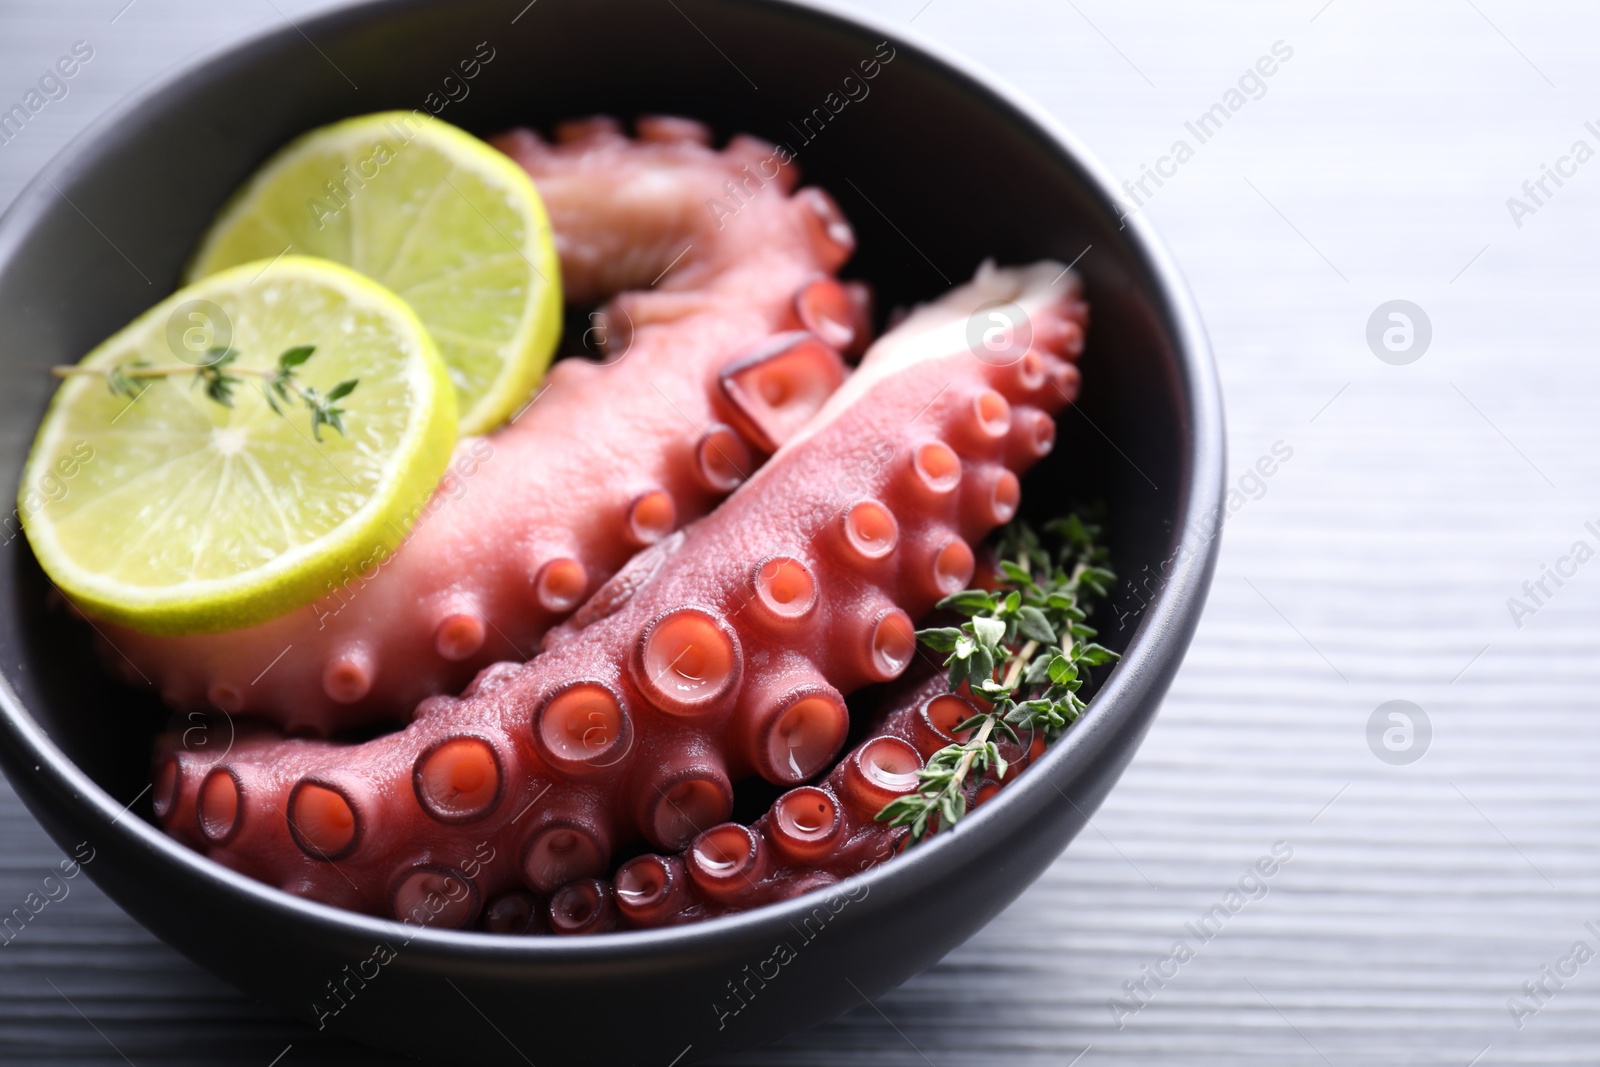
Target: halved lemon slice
(451, 225)
(173, 509)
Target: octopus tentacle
(813, 835)
(607, 459)
(725, 651)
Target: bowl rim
(1170, 615)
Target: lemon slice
(451, 225)
(167, 510)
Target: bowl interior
(935, 171)
(931, 181)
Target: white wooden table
(1375, 564)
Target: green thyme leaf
(290, 358)
(1032, 624)
(940, 639)
(967, 602)
(1025, 650)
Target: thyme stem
(1042, 602)
(220, 375)
(133, 371)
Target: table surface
(1374, 564)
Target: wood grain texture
(1373, 565)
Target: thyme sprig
(1025, 650)
(219, 375)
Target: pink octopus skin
(609, 458)
(811, 837)
(724, 651)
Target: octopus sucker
(726, 650)
(717, 365)
(651, 890)
(458, 779)
(813, 835)
(562, 849)
(586, 907)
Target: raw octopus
(726, 650)
(811, 837)
(726, 342)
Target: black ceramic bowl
(938, 167)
